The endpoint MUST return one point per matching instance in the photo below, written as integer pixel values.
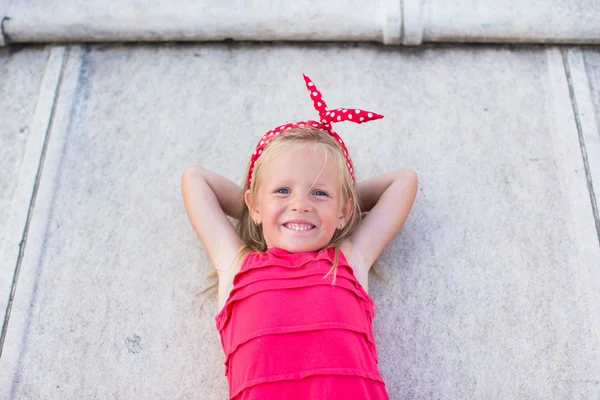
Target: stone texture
(491, 287)
(556, 21)
(3, 7)
(591, 58)
(592, 65)
(33, 20)
(21, 138)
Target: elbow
(191, 174)
(409, 181)
(191, 171)
(409, 176)
(412, 177)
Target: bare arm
(208, 197)
(371, 189)
(389, 199)
(229, 195)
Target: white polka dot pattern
(326, 117)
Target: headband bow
(326, 118)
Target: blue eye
(320, 191)
(282, 189)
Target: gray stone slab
(545, 21)
(388, 21)
(33, 20)
(592, 64)
(28, 80)
(491, 286)
(590, 99)
(3, 8)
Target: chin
(305, 247)
(299, 244)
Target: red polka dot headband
(326, 118)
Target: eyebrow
(323, 185)
(317, 185)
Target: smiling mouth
(299, 227)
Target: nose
(301, 203)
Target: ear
(251, 204)
(346, 212)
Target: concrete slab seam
(4, 39)
(26, 302)
(412, 22)
(48, 123)
(582, 119)
(392, 25)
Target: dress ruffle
(286, 328)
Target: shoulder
(226, 276)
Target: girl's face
(299, 200)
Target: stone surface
(591, 58)
(3, 7)
(33, 20)
(592, 65)
(556, 21)
(491, 286)
(22, 134)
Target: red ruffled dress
(289, 334)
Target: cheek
(331, 214)
(272, 210)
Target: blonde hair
(252, 235)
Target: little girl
(295, 318)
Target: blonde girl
(294, 314)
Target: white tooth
(298, 227)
